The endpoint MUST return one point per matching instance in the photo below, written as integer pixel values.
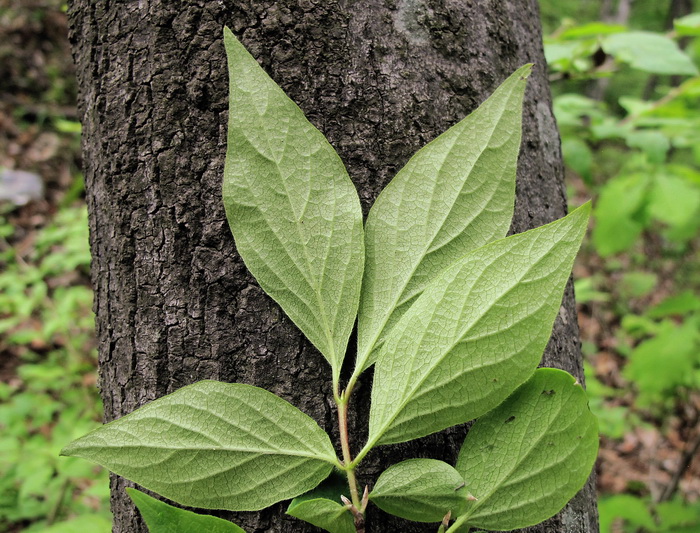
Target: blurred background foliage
(48, 392)
(627, 99)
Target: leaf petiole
(348, 465)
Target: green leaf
(454, 195)
(527, 458)
(652, 142)
(625, 506)
(326, 514)
(322, 506)
(578, 157)
(674, 200)
(215, 446)
(659, 365)
(422, 490)
(475, 334)
(617, 214)
(688, 25)
(592, 29)
(680, 304)
(575, 110)
(294, 213)
(637, 284)
(163, 518)
(649, 52)
(678, 514)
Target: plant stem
(345, 445)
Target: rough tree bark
(380, 78)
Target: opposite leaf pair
(454, 318)
(542, 436)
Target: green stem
(345, 445)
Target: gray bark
(380, 78)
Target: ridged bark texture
(380, 78)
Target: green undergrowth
(626, 101)
(47, 343)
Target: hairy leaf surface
(161, 517)
(454, 195)
(527, 458)
(423, 490)
(324, 513)
(323, 508)
(475, 334)
(216, 446)
(294, 213)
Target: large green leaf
(294, 213)
(422, 490)
(216, 446)
(322, 506)
(649, 52)
(454, 195)
(475, 334)
(527, 458)
(163, 518)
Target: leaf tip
(583, 213)
(229, 37)
(67, 450)
(525, 71)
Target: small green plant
(453, 315)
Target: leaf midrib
(310, 280)
(426, 249)
(231, 449)
(485, 498)
(459, 339)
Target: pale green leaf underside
(216, 446)
(422, 490)
(324, 513)
(322, 506)
(475, 334)
(527, 458)
(454, 195)
(294, 213)
(163, 518)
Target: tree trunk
(380, 78)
